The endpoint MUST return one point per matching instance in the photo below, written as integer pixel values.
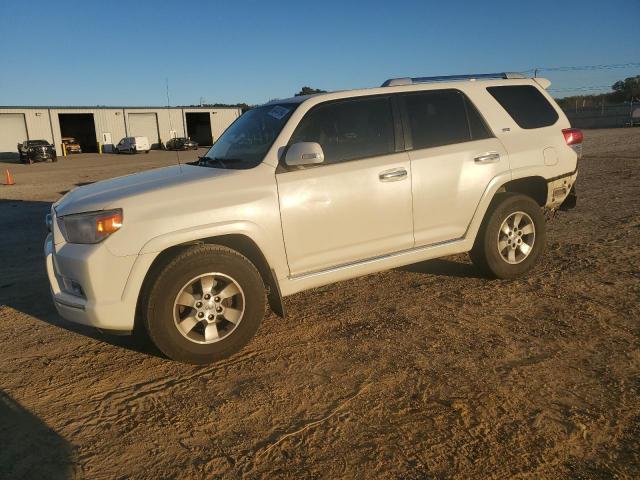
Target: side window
(350, 129)
(443, 117)
(526, 105)
(477, 127)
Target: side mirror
(304, 153)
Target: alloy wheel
(208, 308)
(516, 237)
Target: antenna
(171, 123)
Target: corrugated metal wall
(222, 119)
(43, 123)
(106, 120)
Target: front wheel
(204, 305)
(511, 238)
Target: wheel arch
(241, 243)
(533, 186)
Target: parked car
(181, 143)
(133, 145)
(71, 145)
(309, 191)
(36, 151)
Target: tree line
(622, 91)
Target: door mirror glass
(304, 153)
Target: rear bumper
(571, 201)
(561, 190)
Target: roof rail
(392, 82)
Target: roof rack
(392, 82)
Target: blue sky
(119, 53)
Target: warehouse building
(94, 126)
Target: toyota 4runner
(307, 191)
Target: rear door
(356, 205)
(535, 137)
(454, 156)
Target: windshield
(245, 143)
(36, 142)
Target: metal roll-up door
(13, 130)
(144, 125)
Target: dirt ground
(429, 371)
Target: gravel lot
(429, 371)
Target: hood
(117, 191)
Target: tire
(500, 254)
(54, 159)
(164, 313)
(146, 151)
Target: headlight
(91, 227)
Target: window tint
(526, 105)
(443, 117)
(348, 130)
(477, 127)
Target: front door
(357, 204)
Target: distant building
(107, 125)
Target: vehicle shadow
(444, 267)
(9, 157)
(29, 448)
(24, 285)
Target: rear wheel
(511, 238)
(204, 305)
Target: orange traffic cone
(9, 178)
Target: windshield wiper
(207, 160)
(221, 160)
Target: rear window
(526, 105)
(443, 117)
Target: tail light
(574, 137)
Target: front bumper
(102, 276)
(41, 157)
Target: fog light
(72, 287)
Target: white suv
(312, 190)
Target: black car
(181, 143)
(36, 151)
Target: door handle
(490, 157)
(393, 175)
